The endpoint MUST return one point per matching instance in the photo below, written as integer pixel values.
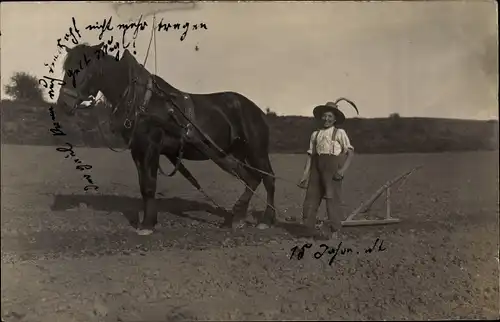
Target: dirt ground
(69, 255)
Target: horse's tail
(255, 125)
(255, 130)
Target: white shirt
(324, 145)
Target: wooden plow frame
(365, 206)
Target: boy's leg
(313, 197)
(329, 166)
(334, 207)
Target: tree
(394, 116)
(24, 87)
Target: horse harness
(138, 108)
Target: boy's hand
(303, 184)
(339, 175)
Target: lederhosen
(322, 185)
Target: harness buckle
(127, 124)
(189, 129)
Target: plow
(366, 206)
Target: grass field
(28, 124)
(69, 255)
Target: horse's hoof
(262, 226)
(144, 232)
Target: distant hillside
(391, 135)
(23, 124)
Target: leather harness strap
(147, 95)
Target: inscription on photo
(340, 249)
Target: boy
(324, 171)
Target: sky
(418, 59)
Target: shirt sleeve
(344, 141)
(311, 142)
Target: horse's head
(82, 67)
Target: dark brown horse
(155, 119)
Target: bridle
(76, 94)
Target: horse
(154, 118)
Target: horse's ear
(67, 49)
(99, 46)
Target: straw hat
(319, 110)
(329, 107)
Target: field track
(69, 255)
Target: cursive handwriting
(44, 83)
(112, 45)
(56, 131)
(69, 150)
(80, 166)
(49, 83)
(84, 62)
(91, 185)
(108, 46)
(136, 26)
(52, 65)
(70, 35)
(335, 251)
(104, 26)
(177, 26)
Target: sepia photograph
(249, 161)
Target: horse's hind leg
(230, 165)
(263, 163)
(252, 181)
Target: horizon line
(31, 104)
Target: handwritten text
(111, 45)
(378, 246)
(48, 82)
(56, 130)
(80, 166)
(72, 34)
(177, 26)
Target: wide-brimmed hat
(329, 107)
(319, 110)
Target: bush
(270, 113)
(25, 88)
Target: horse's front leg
(147, 161)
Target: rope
(149, 46)
(154, 35)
